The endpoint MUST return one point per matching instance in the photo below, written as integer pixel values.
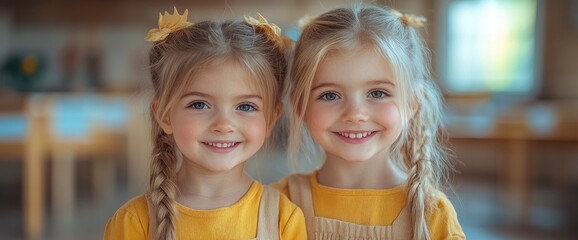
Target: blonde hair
(173, 61)
(420, 150)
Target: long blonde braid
(419, 183)
(163, 188)
(424, 153)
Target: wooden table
(518, 128)
(44, 139)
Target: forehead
(224, 76)
(358, 64)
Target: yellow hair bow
(272, 31)
(410, 19)
(168, 23)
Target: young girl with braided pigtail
(362, 91)
(217, 93)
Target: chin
(221, 168)
(355, 158)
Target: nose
(355, 112)
(222, 124)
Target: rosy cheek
(310, 115)
(391, 115)
(317, 117)
(256, 127)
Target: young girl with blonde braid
(362, 89)
(217, 93)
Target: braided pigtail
(161, 195)
(424, 155)
(419, 183)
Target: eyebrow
(200, 94)
(204, 95)
(372, 82)
(384, 81)
(247, 96)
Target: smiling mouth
(355, 135)
(221, 145)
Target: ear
(276, 115)
(277, 112)
(165, 122)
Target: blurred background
(74, 92)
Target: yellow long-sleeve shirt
(238, 221)
(376, 207)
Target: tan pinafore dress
(319, 228)
(268, 221)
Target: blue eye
(198, 105)
(378, 94)
(330, 96)
(246, 108)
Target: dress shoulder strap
(152, 216)
(300, 194)
(401, 226)
(268, 222)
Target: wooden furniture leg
(518, 180)
(33, 194)
(63, 187)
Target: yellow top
(238, 221)
(376, 207)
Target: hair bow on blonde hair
(410, 19)
(272, 31)
(168, 23)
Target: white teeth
(355, 135)
(220, 145)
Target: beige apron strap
(401, 227)
(152, 217)
(300, 193)
(268, 222)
